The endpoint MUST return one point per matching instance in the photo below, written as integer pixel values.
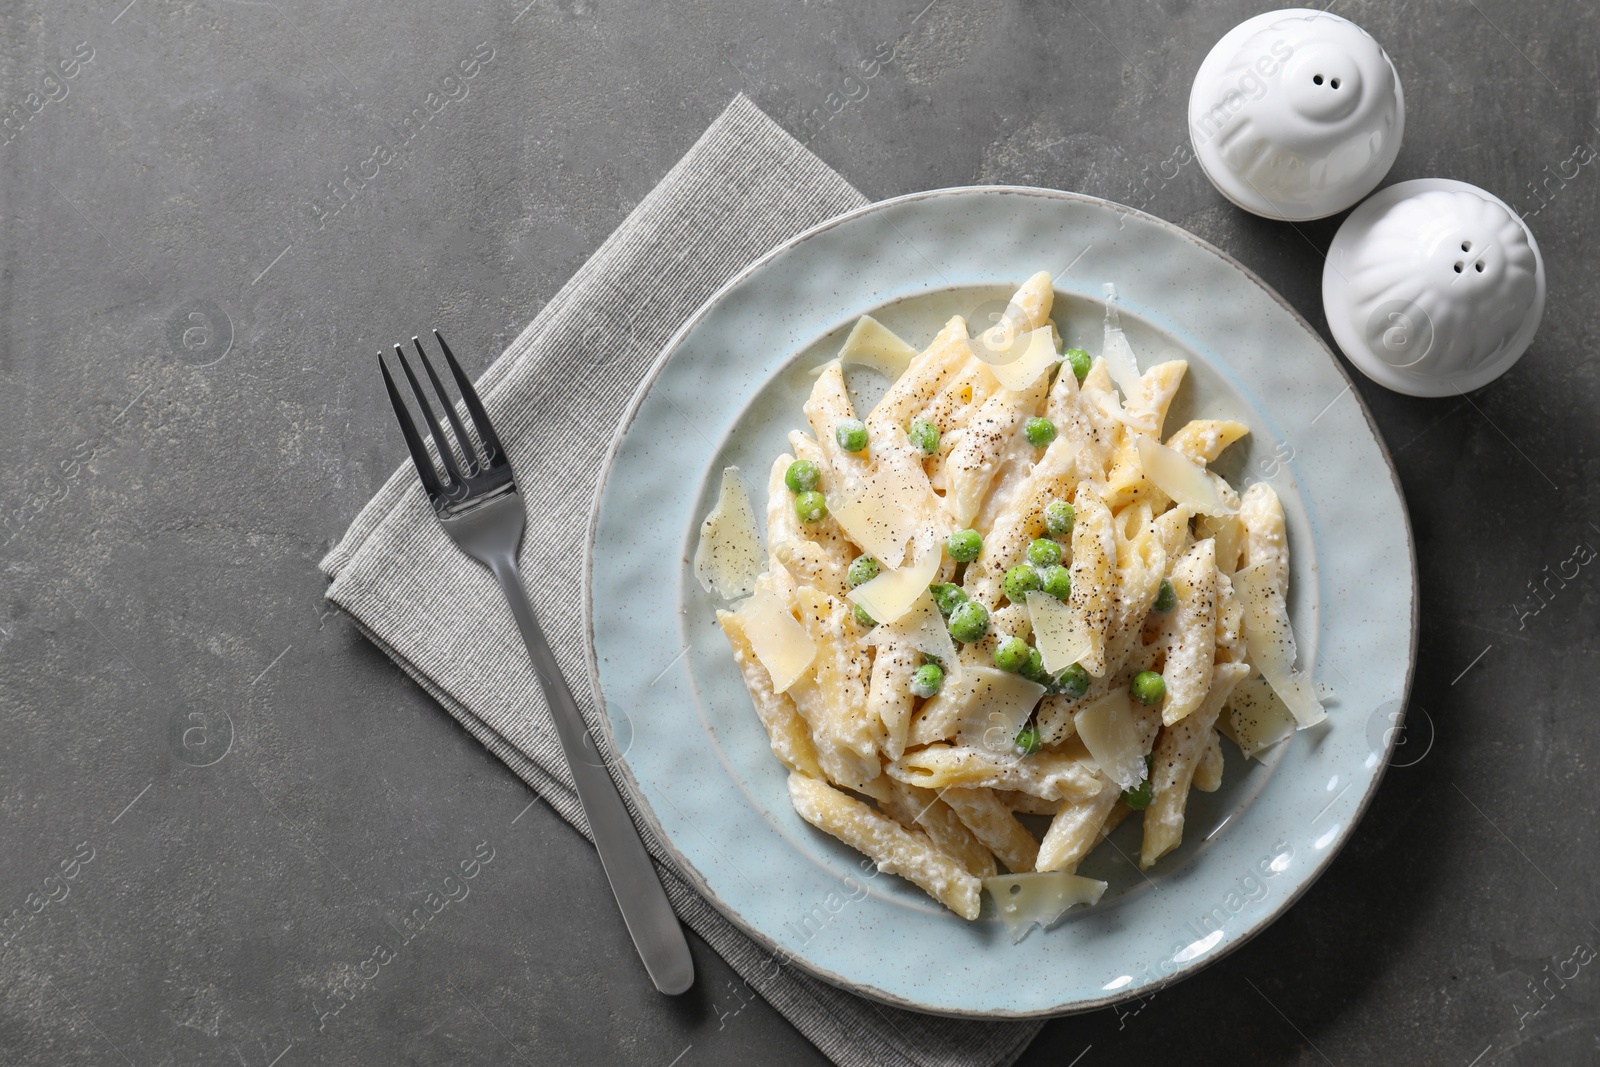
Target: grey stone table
(213, 792)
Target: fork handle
(650, 919)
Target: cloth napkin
(555, 397)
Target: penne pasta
(895, 849)
(791, 742)
(1265, 542)
(990, 822)
(1094, 553)
(889, 696)
(1086, 622)
(923, 810)
(1191, 634)
(1046, 774)
(972, 464)
(1177, 753)
(832, 699)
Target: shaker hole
(1317, 79)
(1459, 267)
(1479, 266)
(1466, 246)
(1334, 83)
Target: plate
(726, 391)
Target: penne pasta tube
(1094, 552)
(833, 697)
(1265, 542)
(971, 468)
(921, 383)
(889, 692)
(1191, 632)
(786, 730)
(990, 822)
(1046, 774)
(921, 809)
(828, 406)
(1177, 752)
(1202, 440)
(895, 849)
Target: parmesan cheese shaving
(1110, 734)
(872, 344)
(881, 513)
(891, 594)
(1057, 631)
(729, 555)
(998, 703)
(1019, 365)
(780, 643)
(922, 628)
(1181, 478)
(1118, 353)
(1255, 718)
(1270, 641)
(1027, 900)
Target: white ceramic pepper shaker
(1296, 114)
(1433, 287)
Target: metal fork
(476, 501)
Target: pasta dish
(1006, 596)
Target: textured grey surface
(169, 482)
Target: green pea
(924, 435)
(964, 545)
(1072, 682)
(927, 680)
(811, 506)
(1033, 670)
(864, 619)
(1043, 552)
(1079, 359)
(1148, 687)
(1040, 431)
(1057, 581)
(969, 622)
(1011, 654)
(802, 476)
(946, 597)
(862, 569)
(1028, 741)
(1058, 516)
(1139, 797)
(1020, 581)
(851, 435)
(1166, 597)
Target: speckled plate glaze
(727, 390)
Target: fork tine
(408, 429)
(469, 452)
(480, 418)
(440, 441)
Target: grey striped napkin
(744, 187)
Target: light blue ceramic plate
(728, 389)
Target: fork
(475, 499)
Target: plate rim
(624, 774)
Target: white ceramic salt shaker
(1296, 114)
(1433, 287)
